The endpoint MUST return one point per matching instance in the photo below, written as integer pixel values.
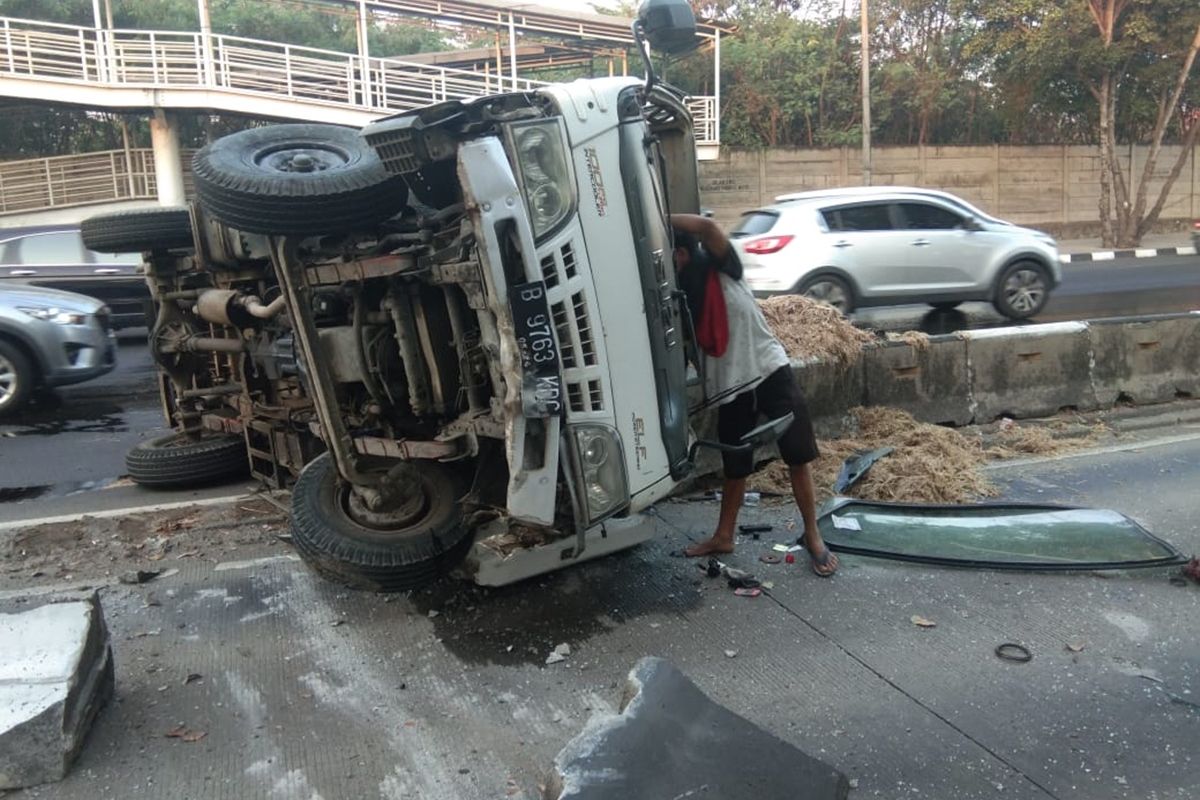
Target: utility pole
(866, 97)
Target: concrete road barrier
(1019, 372)
(1031, 371)
(1146, 360)
(927, 382)
(831, 390)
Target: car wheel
(382, 551)
(831, 290)
(17, 379)
(947, 305)
(179, 460)
(138, 231)
(1022, 290)
(298, 179)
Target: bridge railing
(36, 184)
(153, 59)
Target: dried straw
(931, 464)
(808, 329)
(915, 339)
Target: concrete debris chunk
(56, 672)
(662, 744)
(559, 653)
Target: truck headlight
(52, 314)
(600, 468)
(545, 178)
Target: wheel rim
(830, 293)
(301, 157)
(398, 520)
(1025, 290)
(9, 381)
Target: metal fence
(36, 184)
(158, 59)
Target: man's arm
(708, 232)
(714, 240)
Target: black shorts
(771, 399)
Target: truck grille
(579, 343)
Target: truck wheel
(1022, 290)
(139, 230)
(179, 461)
(17, 379)
(298, 179)
(382, 552)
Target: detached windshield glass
(995, 535)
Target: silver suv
(875, 246)
(50, 338)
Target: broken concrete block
(56, 671)
(671, 740)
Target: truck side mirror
(668, 25)
(767, 432)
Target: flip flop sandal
(816, 563)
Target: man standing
(748, 374)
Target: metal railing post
(8, 48)
(153, 59)
(49, 182)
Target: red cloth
(713, 332)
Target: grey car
(50, 338)
(873, 246)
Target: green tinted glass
(994, 535)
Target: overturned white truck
(458, 331)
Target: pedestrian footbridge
(159, 72)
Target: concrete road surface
(291, 687)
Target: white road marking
(120, 512)
(1147, 444)
(254, 562)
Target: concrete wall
(1021, 372)
(1056, 187)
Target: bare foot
(710, 547)
(825, 564)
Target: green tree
(1105, 70)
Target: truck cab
(456, 335)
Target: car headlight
(52, 314)
(545, 178)
(600, 468)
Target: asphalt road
(72, 443)
(297, 688)
(1118, 288)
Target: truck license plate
(541, 388)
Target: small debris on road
(559, 653)
(922, 622)
(769, 558)
(1192, 570)
(1075, 645)
(433, 612)
(731, 653)
(192, 677)
(139, 576)
(184, 733)
(1011, 651)
(748, 592)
